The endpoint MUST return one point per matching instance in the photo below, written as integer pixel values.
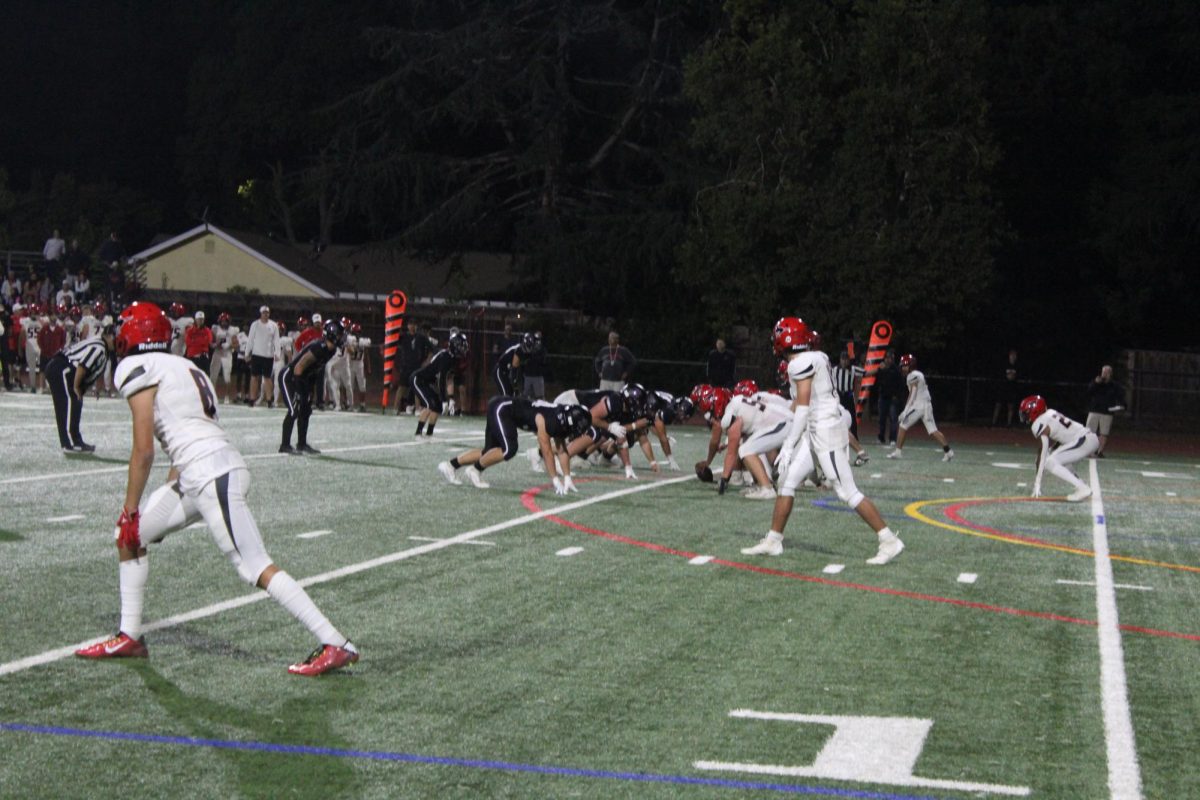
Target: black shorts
(261, 366)
(501, 430)
(429, 395)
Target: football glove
(783, 460)
(722, 483)
(569, 484)
(617, 430)
(1037, 491)
(559, 489)
(629, 473)
(672, 463)
(127, 531)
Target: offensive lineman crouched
(171, 399)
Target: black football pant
(60, 377)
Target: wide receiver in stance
(171, 399)
(1063, 441)
(817, 413)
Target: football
(703, 472)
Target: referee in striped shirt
(845, 379)
(69, 374)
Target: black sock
(455, 463)
(945, 448)
(430, 431)
(420, 428)
(478, 467)
(302, 432)
(288, 422)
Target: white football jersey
(180, 326)
(824, 410)
(185, 416)
(761, 411)
(88, 326)
(283, 348)
(916, 379)
(223, 339)
(243, 342)
(1060, 429)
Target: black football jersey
(437, 367)
(614, 404)
(320, 352)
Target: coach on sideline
(69, 374)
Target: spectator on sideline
(889, 385)
(722, 364)
(82, 286)
(412, 350)
(8, 347)
(533, 369)
(66, 295)
(53, 252)
(198, 343)
(614, 364)
(263, 340)
(1009, 394)
(847, 377)
(1104, 398)
(111, 252)
(51, 339)
(10, 290)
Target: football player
(1063, 441)
(225, 343)
(610, 415)
(508, 365)
(426, 380)
(755, 425)
(337, 376)
(285, 350)
(918, 408)
(817, 412)
(171, 399)
(356, 348)
(296, 386)
(180, 322)
(665, 409)
(566, 425)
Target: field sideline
(611, 643)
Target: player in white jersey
(180, 322)
(754, 426)
(817, 412)
(241, 371)
(356, 348)
(1063, 441)
(224, 348)
(285, 349)
(337, 378)
(173, 401)
(30, 326)
(918, 408)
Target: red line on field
(529, 501)
(952, 513)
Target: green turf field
(622, 647)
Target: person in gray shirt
(614, 364)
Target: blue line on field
(377, 755)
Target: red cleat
(119, 646)
(325, 658)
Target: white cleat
(448, 472)
(759, 493)
(888, 550)
(895, 454)
(535, 460)
(1079, 495)
(769, 546)
(476, 478)
(948, 455)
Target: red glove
(127, 531)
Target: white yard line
(58, 476)
(1134, 586)
(1124, 773)
(59, 653)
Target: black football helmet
(578, 420)
(530, 342)
(334, 332)
(458, 345)
(683, 408)
(634, 395)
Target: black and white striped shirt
(90, 354)
(843, 377)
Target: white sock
(132, 575)
(885, 534)
(291, 595)
(775, 536)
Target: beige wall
(210, 264)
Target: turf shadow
(9, 536)
(358, 463)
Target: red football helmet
(75, 312)
(713, 400)
(356, 329)
(99, 308)
(781, 374)
(282, 327)
(177, 310)
(792, 335)
(144, 329)
(302, 322)
(60, 310)
(223, 319)
(1032, 407)
(815, 341)
(698, 392)
(745, 388)
(908, 361)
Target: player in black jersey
(296, 383)
(507, 415)
(426, 381)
